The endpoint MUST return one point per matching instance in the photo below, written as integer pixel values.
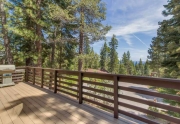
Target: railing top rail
(152, 81)
(150, 78)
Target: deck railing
(105, 91)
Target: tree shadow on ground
(53, 108)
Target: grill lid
(7, 67)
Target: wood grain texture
(42, 106)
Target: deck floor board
(25, 103)
(72, 111)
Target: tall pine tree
(114, 62)
(89, 17)
(104, 57)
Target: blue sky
(135, 23)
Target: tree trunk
(81, 40)
(8, 56)
(80, 51)
(38, 32)
(60, 56)
(52, 54)
(28, 61)
(29, 44)
(53, 49)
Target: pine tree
(125, 61)
(27, 14)
(171, 34)
(36, 23)
(141, 67)
(104, 57)
(4, 30)
(90, 14)
(165, 50)
(166, 45)
(132, 68)
(96, 59)
(156, 55)
(128, 55)
(122, 69)
(114, 62)
(137, 68)
(129, 65)
(146, 68)
(87, 47)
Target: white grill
(6, 75)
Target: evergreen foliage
(164, 52)
(104, 57)
(58, 34)
(114, 62)
(141, 67)
(89, 15)
(146, 68)
(122, 69)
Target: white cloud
(132, 16)
(127, 38)
(124, 4)
(140, 25)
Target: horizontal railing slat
(75, 73)
(98, 83)
(48, 75)
(155, 114)
(60, 90)
(97, 90)
(98, 97)
(48, 79)
(45, 84)
(29, 76)
(68, 78)
(99, 104)
(70, 84)
(37, 79)
(67, 88)
(39, 83)
(150, 103)
(98, 75)
(37, 76)
(151, 93)
(137, 117)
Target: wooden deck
(28, 104)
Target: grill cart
(6, 75)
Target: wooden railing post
(80, 87)
(115, 96)
(42, 77)
(55, 81)
(50, 82)
(26, 74)
(33, 75)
